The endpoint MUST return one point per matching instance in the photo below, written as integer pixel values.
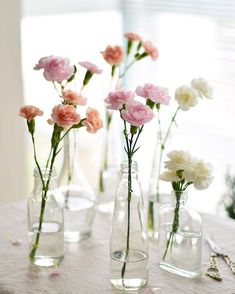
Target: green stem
(44, 197)
(175, 223)
(106, 145)
(127, 68)
(130, 154)
(162, 147)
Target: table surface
(85, 268)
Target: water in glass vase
(51, 245)
(136, 273)
(78, 215)
(183, 256)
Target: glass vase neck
(179, 196)
(125, 166)
(46, 175)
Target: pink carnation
(137, 114)
(133, 37)
(55, 68)
(114, 55)
(115, 100)
(93, 121)
(151, 50)
(91, 67)
(73, 97)
(154, 93)
(65, 115)
(29, 112)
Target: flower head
(55, 68)
(185, 169)
(91, 67)
(93, 121)
(137, 114)
(151, 50)
(74, 98)
(133, 37)
(201, 175)
(30, 112)
(169, 176)
(179, 160)
(114, 55)
(65, 115)
(115, 100)
(154, 93)
(186, 97)
(203, 88)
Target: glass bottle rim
(45, 172)
(183, 194)
(134, 165)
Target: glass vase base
(47, 261)
(75, 237)
(180, 272)
(128, 284)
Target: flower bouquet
(186, 97)
(129, 234)
(45, 215)
(180, 231)
(120, 61)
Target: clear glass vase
(79, 197)
(129, 238)
(180, 237)
(109, 168)
(45, 221)
(156, 196)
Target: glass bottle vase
(108, 173)
(129, 238)
(156, 197)
(78, 195)
(180, 237)
(45, 221)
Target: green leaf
(87, 77)
(129, 46)
(31, 126)
(113, 70)
(139, 45)
(140, 56)
(150, 103)
(134, 130)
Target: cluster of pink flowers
(59, 70)
(114, 55)
(135, 112)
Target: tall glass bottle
(156, 196)
(129, 240)
(45, 221)
(79, 197)
(180, 237)
(108, 174)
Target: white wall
(12, 151)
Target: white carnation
(169, 176)
(201, 175)
(186, 97)
(179, 160)
(203, 87)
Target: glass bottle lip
(179, 192)
(45, 172)
(125, 165)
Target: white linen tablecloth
(85, 268)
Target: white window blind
(223, 10)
